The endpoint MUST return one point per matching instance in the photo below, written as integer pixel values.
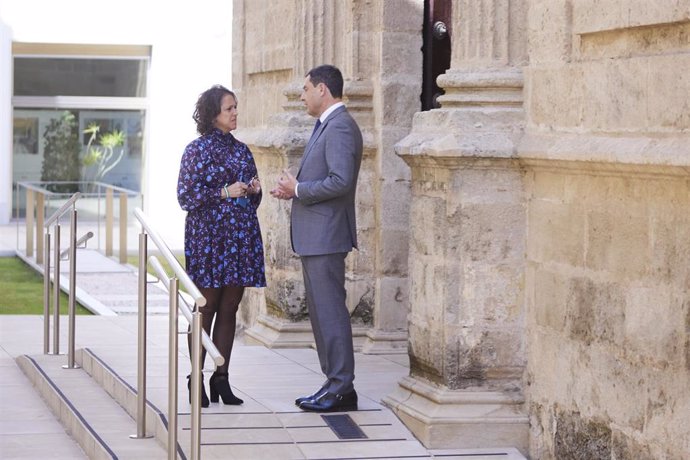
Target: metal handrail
(186, 281)
(40, 186)
(196, 342)
(87, 236)
(69, 204)
(172, 286)
(187, 312)
(63, 209)
(44, 195)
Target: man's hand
(286, 186)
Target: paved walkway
(266, 426)
(104, 286)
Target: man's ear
(323, 89)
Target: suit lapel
(316, 135)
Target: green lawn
(22, 290)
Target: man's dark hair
(208, 107)
(328, 75)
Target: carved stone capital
(481, 116)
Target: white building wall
(5, 123)
(191, 50)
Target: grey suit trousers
(324, 281)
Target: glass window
(40, 76)
(25, 135)
(118, 144)
(42, 134)
(60, 91)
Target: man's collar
(330, 110)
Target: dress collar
(219, 134)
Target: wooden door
(436, 32)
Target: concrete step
(26, 418)
(89, 414)
(122, 392)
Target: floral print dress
(222, 238)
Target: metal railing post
(56, 290)
(98, 218)
(123, 227)
(172, 368)
(40, 215)
(199, 337)
(46, 293)
(29, 222)
(141, 343)
(72, 290)
(108, 222)
(196, 385)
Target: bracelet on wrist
(227, 195)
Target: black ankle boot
(221, 387)
(204, 398)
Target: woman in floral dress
(219, 188)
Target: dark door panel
(437, 31)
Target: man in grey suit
(323, 231)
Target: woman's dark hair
(208, 107)
(328, 75)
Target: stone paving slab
(93, 261)
(267, 425)
(28, 428)
(268, 381)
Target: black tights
(221, 304)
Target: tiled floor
(266, 426)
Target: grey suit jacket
(323, 216)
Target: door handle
(440, 30)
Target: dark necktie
(316, 126)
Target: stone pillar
(397, 85)
(282, 320)
(467, 234)
(322, 32)
(376, 44)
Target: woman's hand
(235, 190)
(254, 186)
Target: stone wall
(376, 44)
(607, 154)
(607, 290)
(535, 227)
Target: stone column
(323, 32)
(397, 84)
(467, 241)
(282, 318)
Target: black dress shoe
(311, 397)
(331, 402)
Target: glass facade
(59, 102)
(33, 128)
(35, 76)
